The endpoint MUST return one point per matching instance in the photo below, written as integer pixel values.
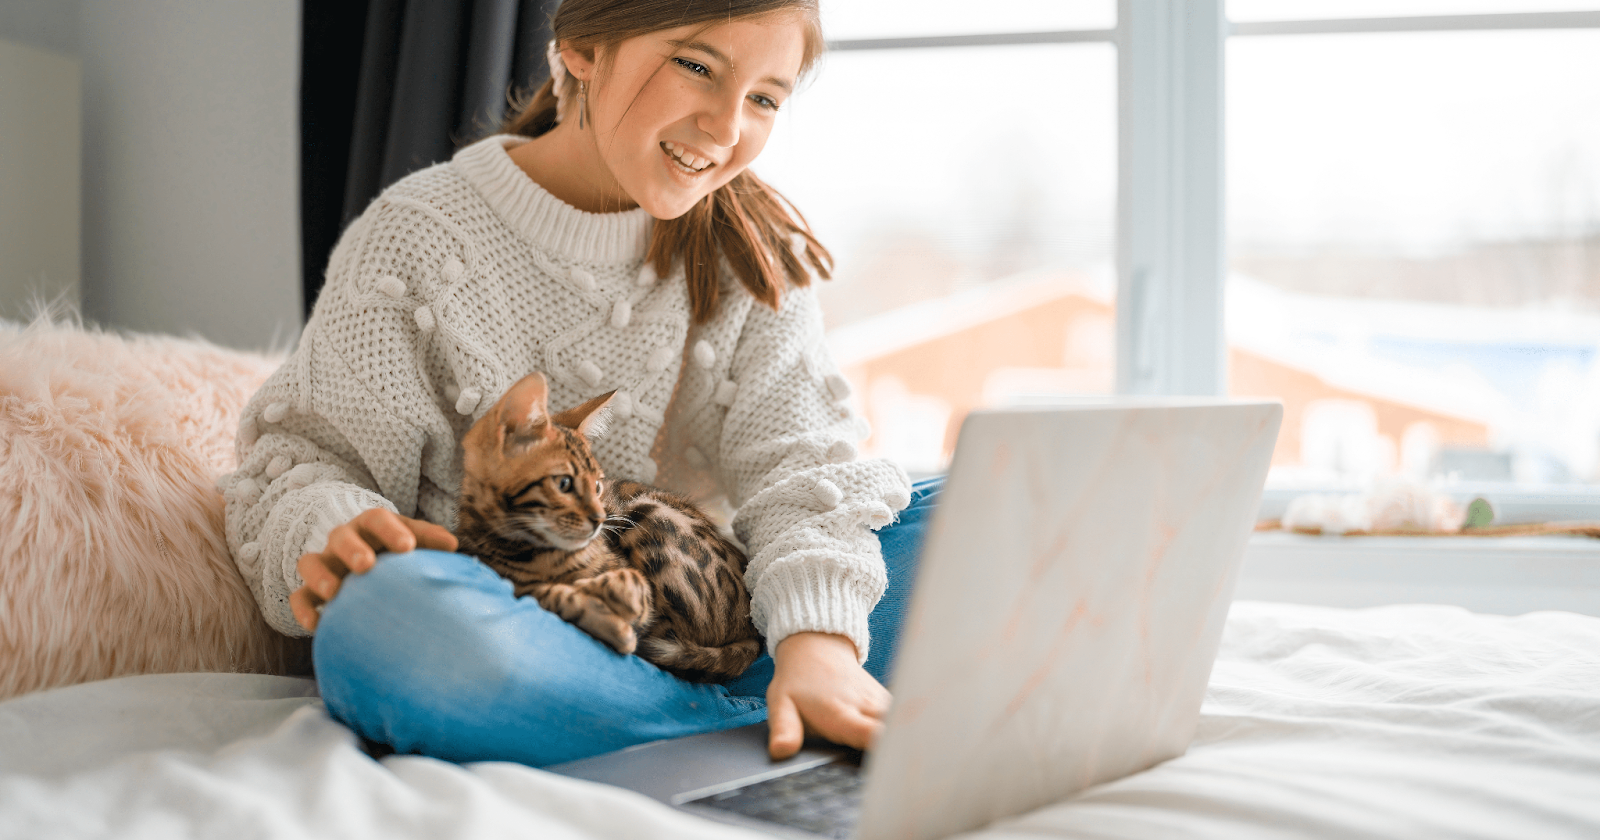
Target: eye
(599, 487)
(693, 67)
(565, 484)
(765, 101)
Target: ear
(580, 63)
(524, 410)
(591, 419)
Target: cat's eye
(566, 484)
(599, 487)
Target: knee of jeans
(398, 615)
(440, 624)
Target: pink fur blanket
(112, 555)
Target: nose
(721, 121)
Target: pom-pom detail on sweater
(647, 275)
(727, 389)
(249, 432)
(621, 313)
(659, 359)
(392, 286)
(249, 552)
(838, 386)
(468, 401)
(647, 473)
(452, 392)
(247, 491)
(876, 515)
(827, 494)
(279, 465)
(453, 269)
(590, 373)
(897, 498)
(424, 317)
(583, 278)
(704, 355)
(275, 412)
(301, 476)
(622, 405)
(841, 451)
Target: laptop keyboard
(825, 799)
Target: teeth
(685, 157)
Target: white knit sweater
(463, 277)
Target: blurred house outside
(1370, 387)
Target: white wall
(39, 179)
(190, 167)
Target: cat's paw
(623, 598)
(630, 607)
(612, 630)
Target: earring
(583, 101)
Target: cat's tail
(699, 663)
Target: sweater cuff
(797, 597)
(335, 509)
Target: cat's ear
(591, 419)
(525, 408)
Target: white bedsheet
(1393, 722)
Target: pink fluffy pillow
(112, 555)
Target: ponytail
(751, 226)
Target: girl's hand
(819, 688)
(352, 549)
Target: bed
(1402, 721)
(1405, 721)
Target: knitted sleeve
(806, 506)
(342, 426)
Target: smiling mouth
(685, 159)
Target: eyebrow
(717, 54)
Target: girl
(614, 239)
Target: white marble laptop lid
(1068, 606)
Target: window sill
(1512, 503)
(1508, 576)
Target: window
(967, 192)
(1414, 242)
(1027, 198)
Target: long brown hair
(746, 222)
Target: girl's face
(682, 111)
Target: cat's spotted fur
(632, 565)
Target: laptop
(1069, 602)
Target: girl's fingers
(783, 724)
(385, 531)
(864, 729)
(349, 549)
(432, 536)
(848, 726)
(305, 612)
(352, 549)
(319, 579)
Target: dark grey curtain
(388, 87)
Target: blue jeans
(430, 653)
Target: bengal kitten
(632, 565)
